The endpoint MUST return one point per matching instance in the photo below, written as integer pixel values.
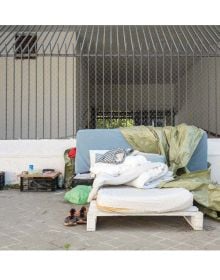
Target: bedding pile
(135, 170)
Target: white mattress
(125, 199)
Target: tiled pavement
(34, 221)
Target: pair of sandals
(76, 217)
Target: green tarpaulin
(178, 144)
(69, 169)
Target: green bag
(78, 195)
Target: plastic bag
(78, 195)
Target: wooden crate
(2, 180)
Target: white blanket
(135, 171)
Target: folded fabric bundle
(118, 169)
(152, 179)
(168, 177)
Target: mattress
(126, 199)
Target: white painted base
(192, 215)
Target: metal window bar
(20, 46)
(6, 37)
(51, 95)
(6, 95)
(201, 41)
(111, 108)
(45, 38)
(139, 73)
(5, 43)
(27, 47)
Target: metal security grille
(55, 80)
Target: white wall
(16, 155)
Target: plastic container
(60, 181)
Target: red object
(72, 153)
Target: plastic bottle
(60, 181)
(30, 168)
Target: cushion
(154, 157)
(107, 139)
(131, 200)
(199, 159)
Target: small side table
(47, 180)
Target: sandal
(71, 220)
(81, 222)
(82, 218)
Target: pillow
(92, 154)
(158, 171)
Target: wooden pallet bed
(192, 215)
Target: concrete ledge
(16, 155)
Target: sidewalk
(34, 221)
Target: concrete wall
(31, 92)
(16, 155)
(30, 100)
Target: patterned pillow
(115, 156)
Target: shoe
(82, 216)
(71, 220)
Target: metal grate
(107, 76)
(94, 40)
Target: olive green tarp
(69, 169)
(178, 144)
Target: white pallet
(192, 215)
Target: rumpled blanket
(135, 171)
(178, 144)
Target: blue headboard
(106, 139)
